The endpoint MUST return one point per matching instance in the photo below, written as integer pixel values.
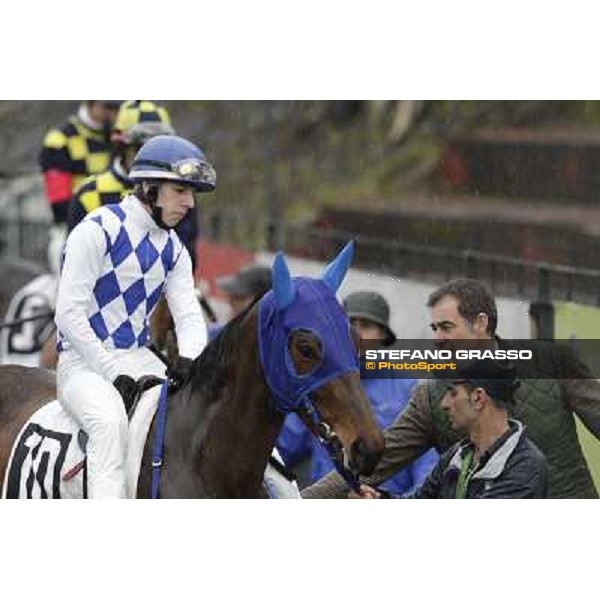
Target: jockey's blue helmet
(173, 158)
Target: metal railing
(24, 239)
(506, 276)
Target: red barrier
(217, 260)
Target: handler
(496, 459)
(556, 387)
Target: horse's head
(307, 353)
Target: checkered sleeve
(84, 254)
(54, 155)
(57, 170)
(190, 327)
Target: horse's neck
(232, 435)
(242, 436)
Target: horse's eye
(307, 351)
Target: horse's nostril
(364, 458)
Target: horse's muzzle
(364, 455)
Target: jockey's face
(175, 200)
(102, 113)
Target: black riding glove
(127, 387)
(178, 374)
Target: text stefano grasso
(497, 354)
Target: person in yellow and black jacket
(70, 153)
(137, 122)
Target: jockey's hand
(127, 387)
(366, 493)
(180, 371)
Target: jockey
(118, 261)
(70, 153)
(137, 122)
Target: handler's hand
(366, 493)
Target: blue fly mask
(309, 304)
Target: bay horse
(292, 350)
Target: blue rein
(159, 437)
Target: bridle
(328, 438)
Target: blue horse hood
(315, 308)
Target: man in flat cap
(244, 288)
(496, 459)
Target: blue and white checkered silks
(132, 281)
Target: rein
(159, 438)
(329, 440)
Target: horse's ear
(334, 273)
(283, 286)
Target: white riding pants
(97, 407)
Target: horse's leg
(22, 391)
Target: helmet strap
(148, 194)
(157, 216)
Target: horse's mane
(209, 371)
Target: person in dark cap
(244, 288)
(369, 315)
(496, 459)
